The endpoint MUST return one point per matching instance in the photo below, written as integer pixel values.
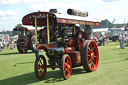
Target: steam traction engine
(25, 38)
(66, 46)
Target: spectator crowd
(9, 44)
(122, 38)
(100, 39)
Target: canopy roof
(29, 19)
(23, 29)
(20, 29)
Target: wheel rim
(41, 67)
(92, 55)
(67, 67)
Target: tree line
(107, 24)
(104, 24)
(12, 33)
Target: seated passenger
(43, 35)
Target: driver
(87, 30)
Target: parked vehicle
(114, 33)
(66, 46)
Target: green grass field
(112, 69)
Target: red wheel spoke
(42, 66)
(93, 64)
(41, 74)
(38, 67)
(89, 65)
(93, 60)
(40, 61)
(67, 61)
(88, 54)
(93, 49)
(41, 71)
(67, 67)
(89, 49)
(66, 70)
(89, 61)
(94, 56)
(65, 64)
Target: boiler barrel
(54, 53)
(77, 12)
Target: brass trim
(36, 28)
(48, 34)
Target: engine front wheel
(90, 55)
(21, 50)
(66, 66)
(40, 67)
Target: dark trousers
(103, 42)
(122, 44)
(36, 53)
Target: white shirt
(120, 37)
(34, 46)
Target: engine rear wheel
(90, 55)
(66, 66)
(40, 67)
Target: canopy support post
(48, 33)
(36, 28)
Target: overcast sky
(12, 11)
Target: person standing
(7, 44)
(120, 40)
(3, 44)
(36, 50)
(107, 38)
(103, 39)
(126, 38)
(12, 44)
(100, 40)
(0, 45)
